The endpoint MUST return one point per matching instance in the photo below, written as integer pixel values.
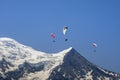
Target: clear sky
(31, 22)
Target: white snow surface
(88, 76)
(17, 54)
(110, 73)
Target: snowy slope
(20, 62)
(17, 54)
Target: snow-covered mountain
(20, 62)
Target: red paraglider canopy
(52, 35)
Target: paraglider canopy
(94, 45)
(52, 35)
(65, 30)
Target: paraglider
(65, 31)
(95, 46)
(66, 39)
(53, 36)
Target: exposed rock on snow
(20, 62)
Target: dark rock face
(76, 67)
(23, 68)
(4, 65)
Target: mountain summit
(20, 62)
(76, 67)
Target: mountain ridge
(76, 67)
(20, 62)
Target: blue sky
(31, 23)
